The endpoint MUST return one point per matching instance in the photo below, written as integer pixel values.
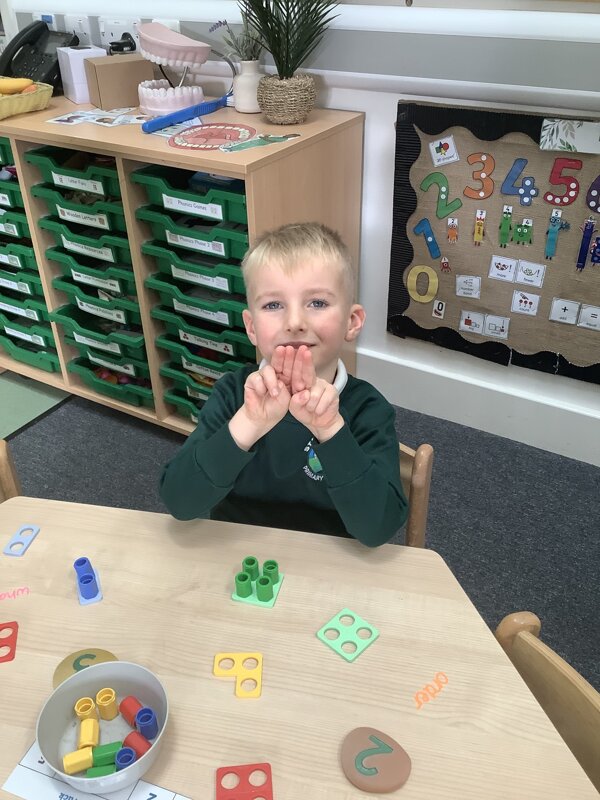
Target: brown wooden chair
(415, 474)
(572, 705)
(9, 483)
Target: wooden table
(167, 606)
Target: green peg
(243, 584)
(271, 568)
(250, 565)
(100, 772)
(104, 755)
(264, 589)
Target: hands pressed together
(288, 383)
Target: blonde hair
(288, 246)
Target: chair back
(571, 703)
(9, 483)
(415, 475)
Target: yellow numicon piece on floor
(78, 761)
(246, 669)
(89, 733)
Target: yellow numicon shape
(89, 733)
(14, 85)
(78, 761)
(85, 708)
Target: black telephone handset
(32, 53)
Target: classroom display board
(496, 243)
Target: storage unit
(138, 247)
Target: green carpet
(23, 400)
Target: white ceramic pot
(244, 88)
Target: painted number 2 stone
(373, 762)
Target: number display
(482, 175)
(432, 283)
(443, 208)
(423, 226)
(570, 183)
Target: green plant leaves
(289, 29)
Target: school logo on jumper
(313, 467)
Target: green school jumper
(349, 485)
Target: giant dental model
(171, 104)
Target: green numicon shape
(104, 755)
(100, 772)
(243, 584)
(264, 589)
(250, 565)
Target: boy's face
(308, 306)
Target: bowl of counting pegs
(102, 728)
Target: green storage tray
(231, 342)
(93, 273)
(197, 301)
(71, 169)
(6, 156)
(104, 214)
(194, 363)
(185, 383)
(104, 247)
(127, 366)
(224, 239)
(10, 194)
(186, 407)
(87, 329)
(169, 188)
(20, 305)
(119, 309)
(20, 256)
(14, 223)
(200, 270)
(127, 393)
(30, 354)
(27, 283)
(27, 330)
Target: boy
(294, 442)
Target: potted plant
(290, 30)
(246, 47)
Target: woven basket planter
(286, 101)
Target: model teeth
(158, 98)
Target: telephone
(32, 53)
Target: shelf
(317, 175)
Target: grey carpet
(519, 527)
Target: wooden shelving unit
(316, 176)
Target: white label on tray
(210, 373)
(196, 394)
(204, 280)
(112, 347)
(103, 283)
(217, 248)
(7, 227)
(103, 253)
(5, 200)
(221, 317)
(221, 347)
(191, 207)
(18, 286)
(14, 261)
(20, 312)
(128, 369)
(95, 220)
(29, 337)
(95, 187)
(107, 313)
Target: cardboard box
(113, 81)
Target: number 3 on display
(443, 208)
(482, 175)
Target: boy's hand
(266, 402)
(315, 401)
(283, 360)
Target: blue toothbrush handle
(158, 123)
